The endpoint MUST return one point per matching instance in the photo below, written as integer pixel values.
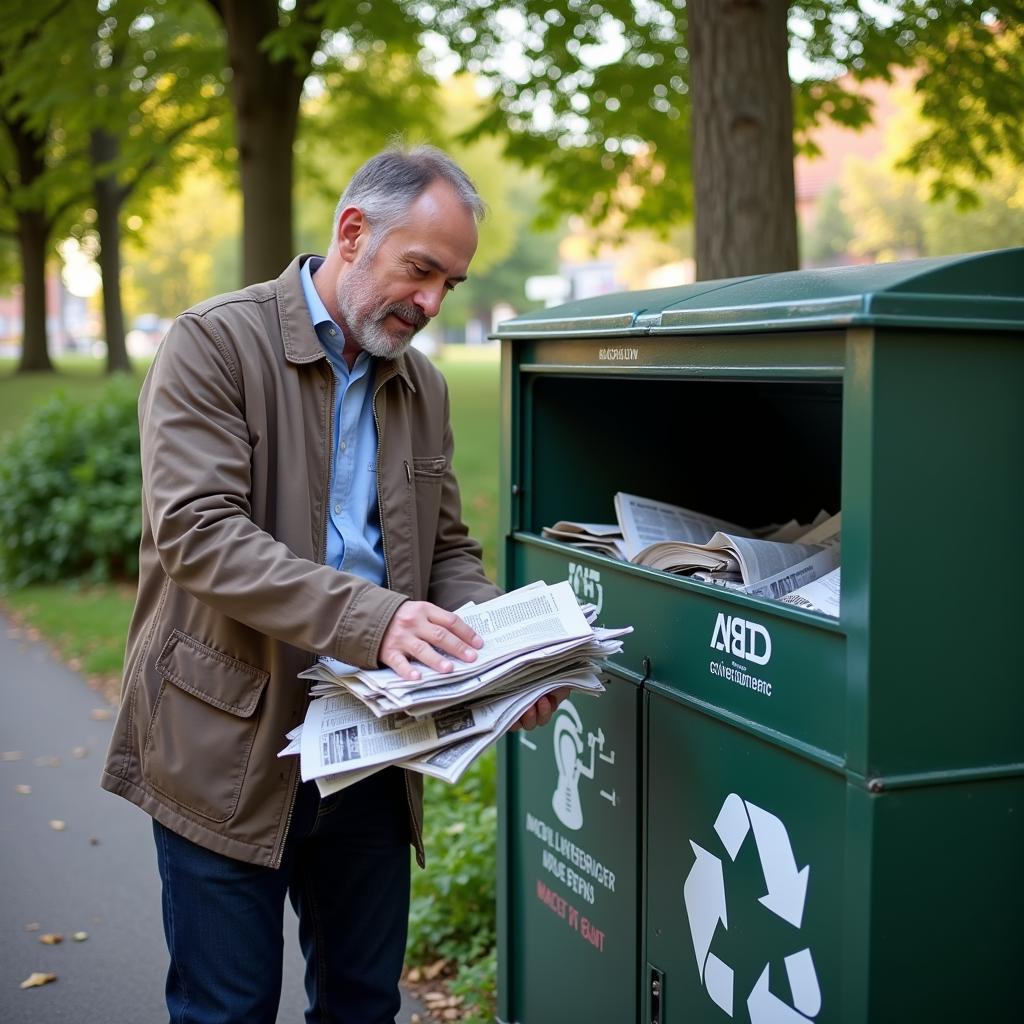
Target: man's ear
(352, 233)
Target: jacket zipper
(279, 852)
(421, 856)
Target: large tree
(36, 198)
(134, 86)
(272, 49)
(154, 90)
(662, 109)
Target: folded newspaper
(770, 561)
(536, 639)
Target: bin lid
(977, 290)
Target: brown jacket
(234, 599)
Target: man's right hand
(418, 630)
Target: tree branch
(76, 197)
(183, 129)
(304, 11)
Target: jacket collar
(301, 345)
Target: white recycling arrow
(787, 887)
(803, 982)
(765, 1008)
(732, 824)
(704, 896)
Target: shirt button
(344, 446)
(337, 509)
(331, 331)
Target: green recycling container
(775, 815)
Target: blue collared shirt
(354, 542)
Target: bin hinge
(657, 994)
(645, 664)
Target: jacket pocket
(202, 727)
(429, 468)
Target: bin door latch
(657, 994)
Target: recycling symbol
(704, 895)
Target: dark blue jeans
(345, 870)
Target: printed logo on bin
(742, 638)
(586, 584)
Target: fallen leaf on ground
(23, 790)
(33, 926)
(57, 825)
(450, 1015)
(80, 752)
(47, 762)
(94, 841)
(11, 755)
(75, 664)
(100, 714)
(416, 1019)
(414, 975)
(431, 971)
(80, 936)
(51, 939)
(37, 978)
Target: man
(298, 500)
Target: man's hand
(417, 628)
(541, 712)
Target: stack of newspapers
(536, 639)
(769, 561)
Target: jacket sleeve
(457, 572)
(196, 470)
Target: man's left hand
(541, 712)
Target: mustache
(411, 314)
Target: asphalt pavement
(75, 859)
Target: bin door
(744, 860)
(571, 938)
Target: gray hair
(387, 185)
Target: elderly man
(298, 500)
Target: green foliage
(830, 236)
(968, 59)
(477, 984)
(595, 94)
(70, 487)
(453, 901)
(598, 96)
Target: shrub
(70, 487)
(453, 909)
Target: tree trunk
(742, 113)
(265, 95)
(33, 232)
(107, 194)
(32, 236)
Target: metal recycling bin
(773, 815)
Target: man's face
(387, 295)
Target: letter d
(756, 631)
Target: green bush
(70, 486)
(452, 912)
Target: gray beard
(365, 315)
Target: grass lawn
(88, 624)
(78, 377)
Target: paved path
(98, 875)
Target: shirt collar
(317, 309)
(327, 330)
